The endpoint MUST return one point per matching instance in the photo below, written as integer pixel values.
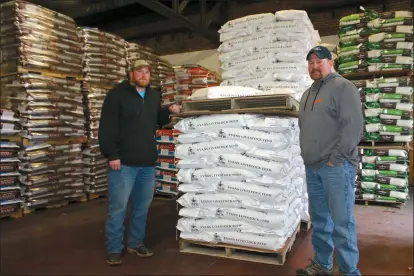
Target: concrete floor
(71, 241)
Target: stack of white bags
(268, 52)
(242, 179)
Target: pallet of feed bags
(36, 39)
(242, 180)
(268, 51)
(371, 41)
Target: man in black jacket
(130, 115)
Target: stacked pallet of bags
(104, 66)
(160, 67)
(242, 178)
(388, 107)
(372, 41)
(104, 58)
(383, 175)
(50, 109)
(35, 38)
(186, 80)
(166, 181)
(10, 196)
(268, 52)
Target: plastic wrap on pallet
(35, 38)
(95, 170)
(49, 107)
(258, 51)
(241, 192)
(383, 175)
(51, 174)
(371, 41)
(387, 104)
(104, 58)
(166, 181)
(10, 196)
(185, 80)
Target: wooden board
(30, 210)
(379, 203)
(242, 253)
(267, 111)
(272, 104)
(164, 196)
(382, 145)
(15, 215)
(92, 196)
(57, 141)
(378, 74)
(46, 73)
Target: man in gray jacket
(331, 126)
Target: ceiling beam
(182, 6)
(159, 27)
(165, 11)
(103, 6)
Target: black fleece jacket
(128, 124)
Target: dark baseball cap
(321, 52)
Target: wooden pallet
(273, 104)
(378, 74)
(43, 72)
(383, 145)
(379, 203)
(50, 206)
(164, 196)
(235, 252)
(15, 215)
(305, 225)
(93, 196)
(57, 141)
(83, 199)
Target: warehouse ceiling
(140, 19)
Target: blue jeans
(331, 201)
(136, 183)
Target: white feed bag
(260, 166)
(202, 123)
(214, 175)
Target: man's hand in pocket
(115, 165)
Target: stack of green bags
(372, 41)
(387, 104)
(383, 175)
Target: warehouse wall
(209, 58)
(326, 22)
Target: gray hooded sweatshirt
(331, 122)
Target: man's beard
(141, 83)
(316, 75)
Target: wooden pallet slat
(57, 141)
(368, 202)
(378, 74)
(93, 196)
(43, 72)
(15, 215)
(277, 257)
(385, 145)
(282, 105)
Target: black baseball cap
(321, 52)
